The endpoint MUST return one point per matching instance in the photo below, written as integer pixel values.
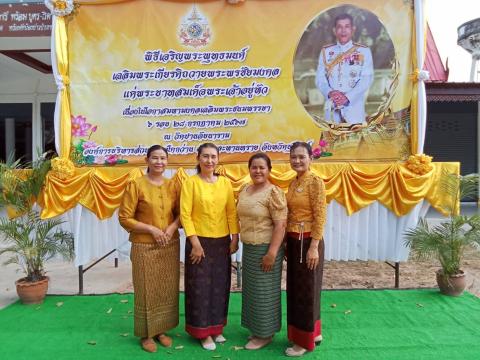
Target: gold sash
(329, 67)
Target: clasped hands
(338, 98)
(161, 237)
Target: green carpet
(389, 324)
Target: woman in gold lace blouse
(305, 250)
(262, 210)
(149, 212)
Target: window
(16, 130)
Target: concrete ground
(105, 278)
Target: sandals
(256, 343)
(165, 340)
(295, 351)
(219, 339)
(208, 344)
(148, 345)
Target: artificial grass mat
(357, 324)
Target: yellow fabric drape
(354, 185)
(61, 52)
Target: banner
(251, 77)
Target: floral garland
(60, 7)
(419, 164)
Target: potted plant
(448, 241)
(29, 240)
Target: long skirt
(304, 288)
(156, 274)
(261, 292)
(207, 288)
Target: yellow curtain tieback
(420, 75)
(420, 164)
(63, 168)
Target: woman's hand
(312, 258)
(197, 254)
(268, 261)
(158, 235)
(233, 246)
(168, 233)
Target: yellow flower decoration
(63, 168)
(419, 164)
(60, 5)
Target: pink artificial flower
(99, 160)
(80, 127)
(89, 144)
(317, 152)
(323, 143)
(93, 129)
(111, 159)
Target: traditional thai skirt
(304, 288)
(156, 273)
(207, 288)
(261, 292)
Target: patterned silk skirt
(156, 273)
(261, 292)
(207, 288)
(304, 288)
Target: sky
(444, 17)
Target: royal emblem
(194, 30)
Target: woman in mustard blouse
(209, 218)
(149, 212)
(262, 210)
(305, 252)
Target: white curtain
(373, 233)
(422, 95)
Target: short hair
(303, 144)
(343, 17)
(260, 155)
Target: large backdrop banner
(251, 77)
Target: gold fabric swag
(353, 185)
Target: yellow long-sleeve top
(150, 204)
(307, 204)
(208, 209)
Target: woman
(262, 210)
(149, 212)
(305, 249)
(209, 217)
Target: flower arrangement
(82, 131)
(60, 7)
(320, 150)
(62, 168)
(419, 164)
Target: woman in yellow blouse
(209, 218)
(305, 252)
(262, 210)
(149, 212)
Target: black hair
(303, 144)
(260, 155)
(155, 148)
(199, 152)
(343, 17)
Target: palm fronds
(30, 240)
(448, 240)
